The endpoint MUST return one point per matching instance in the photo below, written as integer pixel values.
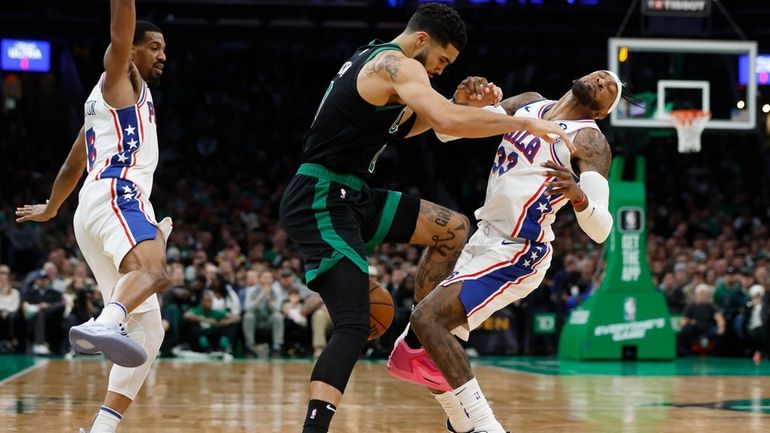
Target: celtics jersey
(348, 134)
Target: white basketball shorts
(112, 218)
(495, 271)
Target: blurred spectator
(11, 324)
(57, 282)
(44, 311)
(673, 292)
(262, 311)
(288, 279)
(296, 330)
(174, 302)
(702, 322)
(225, 298)
(210, 329)
(753, 323)
(320, 322)
(82, 303)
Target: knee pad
(147, 330)
(340, 355)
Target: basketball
(380, 310)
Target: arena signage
(682, 8)
(25, 56)
(631, 330)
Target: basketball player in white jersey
(508, 256)
(115, 223)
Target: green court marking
(753, 406)
(677, 367)
(11, 365)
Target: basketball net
(689, 127)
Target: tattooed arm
(593, 152)
(394, 78)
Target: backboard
(671, 74)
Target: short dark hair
(142, 27)
(441, 22)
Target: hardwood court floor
(239, 397)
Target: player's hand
(546, 130)
(477, 92)
(564, 183)
(34, 212)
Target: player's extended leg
(124, 383)
(433, 320)
(144, 274)
(444, 233)
(345, 291)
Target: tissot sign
(682, 8)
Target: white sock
(454, 411)
(476, 405)
(113, 313)
(106, 421)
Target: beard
(422, 57)
(583, 94)
(154, 81)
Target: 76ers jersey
(121, 143)
(516, 203)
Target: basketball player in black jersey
(382, 93)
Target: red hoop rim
(687, 116)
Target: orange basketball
(380, 310)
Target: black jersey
(348, 134)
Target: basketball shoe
(415, 366)
(451, 429)
(93, 337)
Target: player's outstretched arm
(66, 181)
(118, 90)
(591, 198)
(411, 84)
(472, 91)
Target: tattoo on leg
(439, 260)
(443, 245)
(447, 232)
(432, 325)
(443, 217)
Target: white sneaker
(41, 349)
(83, 431)
(112, 340)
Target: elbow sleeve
(595, 219)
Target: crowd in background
(230, 138)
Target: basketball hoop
(689, 127)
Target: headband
(620, 91)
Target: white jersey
(114, 212)
(121, 143)
(516, 204)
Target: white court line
(17, 375)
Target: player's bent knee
(423, 317)
(160, 278)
